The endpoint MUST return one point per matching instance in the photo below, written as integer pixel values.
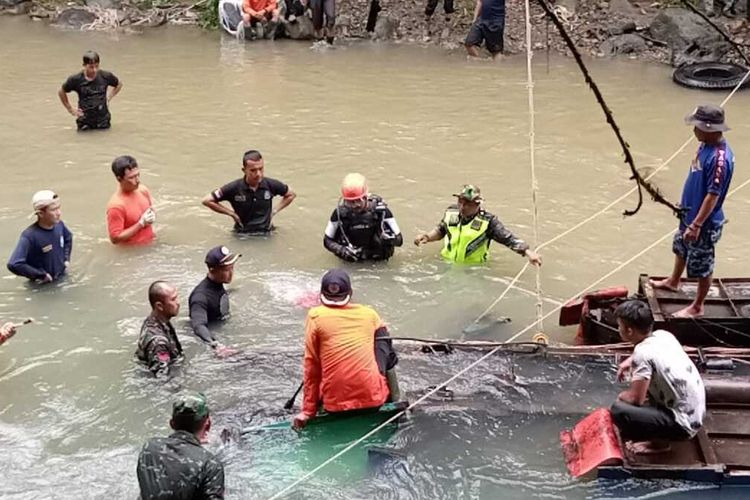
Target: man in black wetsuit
(91, 84)
(251, 197)
(209, 301)
(178, 467)
(362, 227)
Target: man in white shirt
(666, 400)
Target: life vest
(363, 229)
(466, 243)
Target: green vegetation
(209, 14)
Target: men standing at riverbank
(130, 212)
(362, 227)
(251, 197)
(660, 371)
(324, 19)
(467, 230)
(703, 196)
(488, 27)
(349, 361)
(158, 345)
(91, 85)
(178, 467)
(209, 301)
(263, 15)
(43, 250)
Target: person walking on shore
(488, 28)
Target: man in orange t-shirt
(349, 361)
(130, 213)
(261, 14)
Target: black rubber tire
(710, 75)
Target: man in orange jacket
(349, 359)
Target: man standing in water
(178, 467)
(661, 372)
(362, 227)
(467, 230)
(209, 301)
(91, 84)
(44, 248)
(703, 196)
(130, 212)
(488, 27)
(158, 345)
(251, 197)
(349, 360)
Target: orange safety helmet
(354, 187)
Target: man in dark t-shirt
(91, 85)
(251, 197)
(488, 27)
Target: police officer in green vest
(467, 230)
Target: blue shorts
(700, 254)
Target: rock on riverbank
(654, 31)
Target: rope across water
(540, 317)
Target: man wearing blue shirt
(706, 187)
(43, 251)
(488, 27)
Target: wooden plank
(706, 447)
(726, 294)
(650, 293)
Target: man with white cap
(43, 250)
(209, 301)
(703, 195)
(349, 361)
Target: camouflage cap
(469, 192)
(190, 403)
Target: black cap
(335, 288)
(708, 118)
(221, 256)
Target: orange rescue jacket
(339, 364)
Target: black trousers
(432, 5)
(644, 423)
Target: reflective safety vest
(466, 243)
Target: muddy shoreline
(649, 31)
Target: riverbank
(650, 31)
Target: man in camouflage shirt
(158, 345)
(177, 467)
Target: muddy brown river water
(418, 122)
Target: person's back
(675, 381)
(177, 467)
(345, 341)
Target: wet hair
(122, 164)
(635, 314)
(251, 155)
(90, 57)
(188, 423)
(156, 291)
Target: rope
(609, 206)
(640, 181)
(532, 163)
(478, 361)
